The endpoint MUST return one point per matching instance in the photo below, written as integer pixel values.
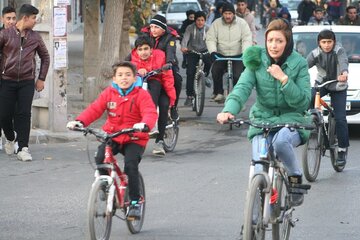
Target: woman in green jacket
(282, 82)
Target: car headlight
(173, 21)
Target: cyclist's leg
(100, 155)
(132, 156)
(217, 72)
(238, 68)
(207, 64)
(256, 152)
(177, 83)
(163, 115)
(284, 142)
(154, 88)
(338, 101)
(192, 60)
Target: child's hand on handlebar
(343, 77)
(224, 117)
(73, 124)
(142, 72)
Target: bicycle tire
(136, 225)
(99, 220)
(254, 228)
(312, 151)
(171, 136)
(280, 228)
(333, 142)
(200, 94)
(228, 86)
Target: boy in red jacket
(127, 106)
(161, 86)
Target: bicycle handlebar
(100, 134)
(198, 53)
(219, 58)
(268, 126)
(318, 85)
(154, 72)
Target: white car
(176, 12)
(349, 38)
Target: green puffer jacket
(274, 103)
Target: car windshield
(304, 43)
(291, 4)
(182, 7)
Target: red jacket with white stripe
(122, 112)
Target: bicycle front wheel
(99, 219)
(135, 226)
(333, 142)
(199, 94)
(254, 228)
(281, 225)
(311, 155)
(171, 136)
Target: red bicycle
(110, 192)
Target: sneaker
(341, 160)
(134, 211)
(159, 148)
(208, 82)
(174, 115)
(24, 155)
(10, 146)
(213, 96)
(297, 190)
(188, 101)
(219, 98)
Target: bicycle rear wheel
(333, 142)
(99, 219)
(311, 156)
(253, 223)
(228, 85)
(171, 136)
(199, 93)
(136, 225)
(281, 226)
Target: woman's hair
(281, 24)
(127, 64)
(326, 34)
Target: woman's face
(275, 44)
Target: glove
(72, 124)
(139, 126)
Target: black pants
(132, 156)
(192, 60)
(338, 102)
(16, 95)
(162, 101)
(177, 82)
(218, 70)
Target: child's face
(156, 31)
(144, 51)
(200, 22)
(326, 45)
(124, 77)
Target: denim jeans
(15, 109)
(283, 142)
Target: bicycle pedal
(301, 186)
(297, 191)
(293, 222)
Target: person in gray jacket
(332, 63)
(194, 40)
(228, 36)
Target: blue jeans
(283, 142)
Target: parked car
(292, 6)
(176, 11)
(349, 38)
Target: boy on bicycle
(127, 106)
(194, 39)
(332, 63)
(161, 86)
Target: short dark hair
(319, 9)
(127, 64)
(27, 10)
(200, 14)
(8, 9)
(142, 40)
(326, 34)
(241, 1)
(350, 7)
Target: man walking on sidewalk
(19, 45)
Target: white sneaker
(1, 143)
(24, 155)
(219, 98)
(159, 148)
(10, 146)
